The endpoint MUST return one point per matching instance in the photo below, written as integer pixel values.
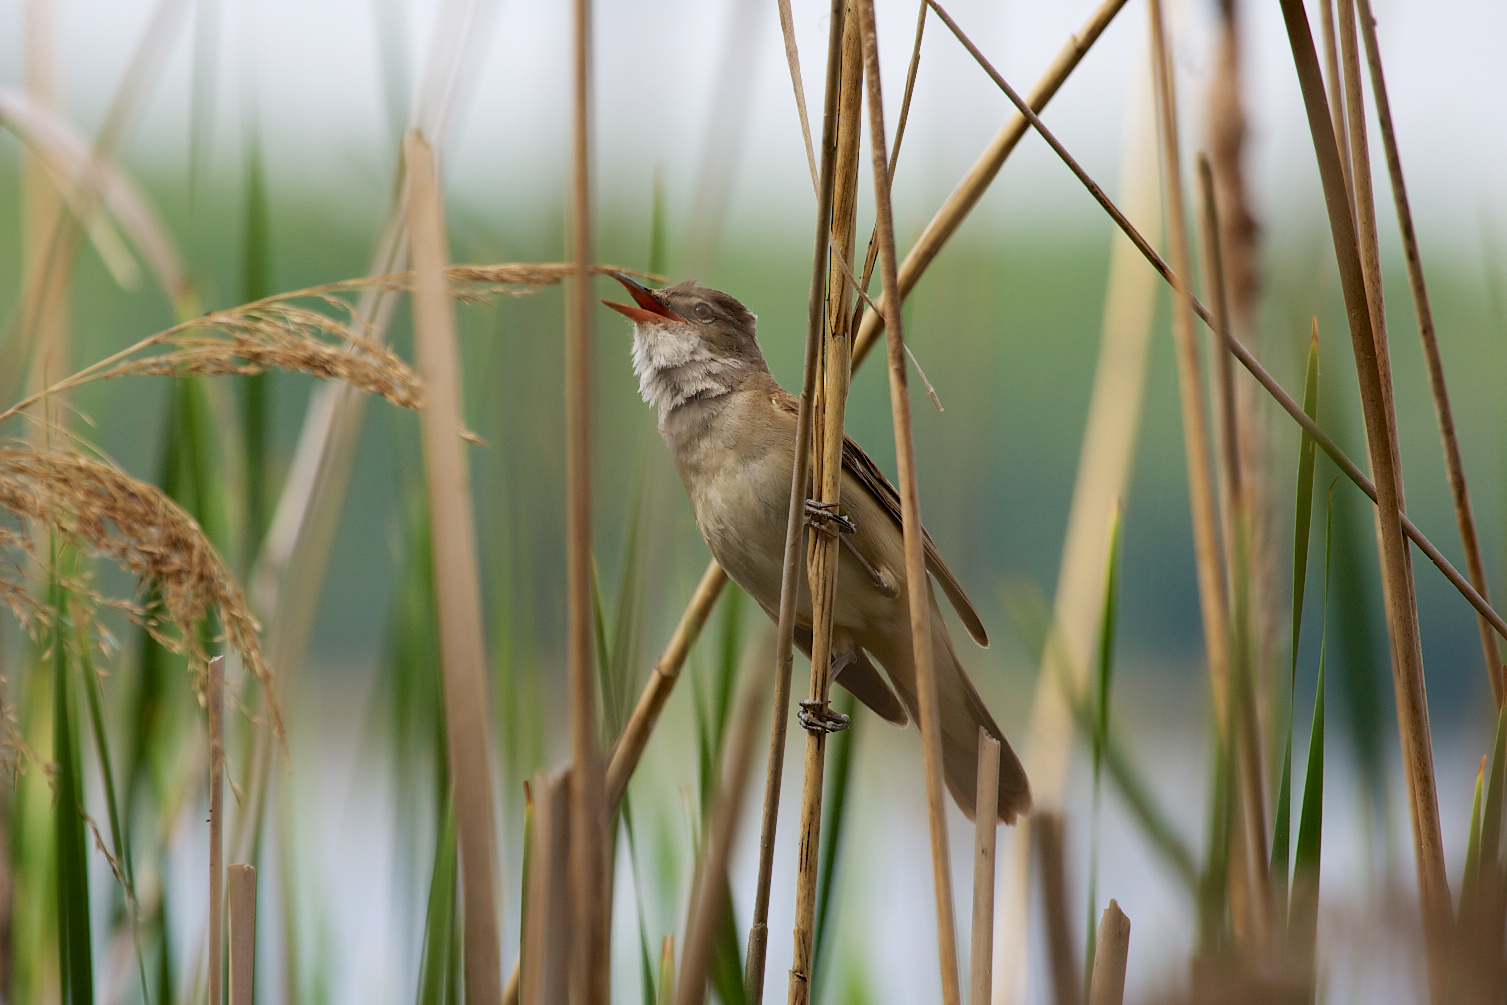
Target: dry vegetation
(1255, 886)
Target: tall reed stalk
(917, 588)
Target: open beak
(649, 309)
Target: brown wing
(862, 467)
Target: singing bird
(731, 429)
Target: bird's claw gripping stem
(825, 518)
(818, 717)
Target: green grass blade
(666, 972)
(1303, 910)
(621, 679)
(1302, 517)
(1491, 821)
(1470, 881)
(439, 917)
(75, 954)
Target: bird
(731, 429)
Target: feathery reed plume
(456, 587)
(241, 887)
(758, 930)
(1107, 986)
(108, 513)
(834, 371)
(1381, 437)
(1454, 467)
(985, 829)
(917, 588)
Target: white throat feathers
(675, 366)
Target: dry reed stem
(107, 513)
(951, 214)
(1453, 465)
(1232, 713)
(547, 933)
(985, 829)
(834, 368)
(456, 578)
(1397, 579)
(214, 700)
(1336, 92)
(1112, 951)
(758, 931)
(589, 888)
(1047, 841)
(635, 736)
(793, 60)
(1247, 360)
(708, 897)
(1104, 463)
(242, 912)
(917, 588)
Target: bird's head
(689, 342)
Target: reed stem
(985, 829)
(917, 589)
(242, 911)
(214, 699)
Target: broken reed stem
(1247, 360)
(1454, 467)
(985, 829)
(1397, 579)
(1107, 985)
(758, 931)
(242, 911)
(951, 214)
(547, 937)
(214, 700)
(1047, 838)
(834, 370)
(708, 898)
(917, 588)
(456, 578)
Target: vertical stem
(1046, 835)
(917, 589)
(1453, 465)
(1236, 727)
(1108, 983)
(214, 699)
(985, 829)
(457, 587)
(588, 832)
(834, 368)
(242, 911)
(1397, 573)
(758, 932)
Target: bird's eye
(702, 311)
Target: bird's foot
(818, 717)
(826, 519)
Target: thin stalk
(951, 214)
(1452, 463)
(242, 911)
(758, 932)
(214, 700)
(1247, 360)
(589, 891)
(1047, 841)
(917, 588)
(1397, 576)
(834, 369)
(1336, 89)
(985, 829)
(457, 589)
